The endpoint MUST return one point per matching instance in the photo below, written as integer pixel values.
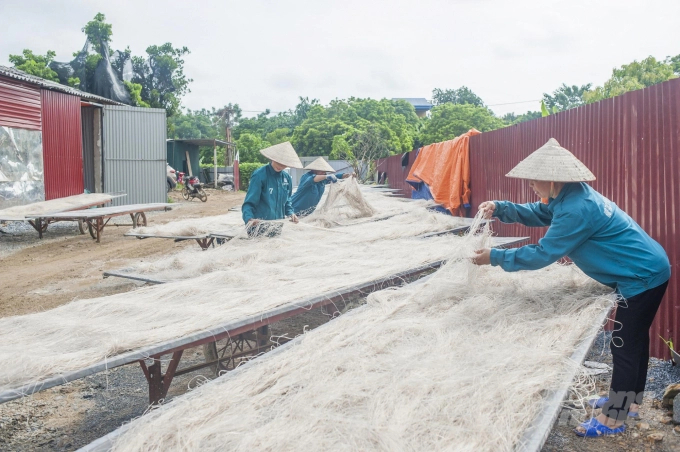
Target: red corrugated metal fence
(19, 105)
(62, 144)
(632, 145)
(396, 174)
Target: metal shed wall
(632, 145)
(135, 154)
(396, 174)
(19, 105)
(177, 157)
(62, 144)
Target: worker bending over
(269, 192)
(604, 242)
(313, 184)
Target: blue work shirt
(268, 196)
(601, 239)
(309, 193)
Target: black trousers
(630, 350)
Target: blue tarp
(422, 191)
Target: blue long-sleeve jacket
(309, 193)
(601, 239)
(268, 196)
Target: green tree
(512, 118)
(98, 33)
(395, 122)
(194, 124)
(450, 120)
(462, 95)
(366, 147)
(675, 63)
(249, 145)
(162, 77)
(633, 76)
(34, 64)
(135, 90)
(566, 97)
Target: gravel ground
(19, 235)
(653, 432)
(73, 415)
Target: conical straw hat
(284, 154)
(320, 164)
(552, 163)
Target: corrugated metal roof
(20, 106)
(54, 86)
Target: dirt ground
(42, 274)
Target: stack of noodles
(462, 362)
(241, 279)
(300, 246)
(344, 204)
(192, 227)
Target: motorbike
(192, 188)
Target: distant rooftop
(16, 74)
(419, 103)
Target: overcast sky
(264, 53)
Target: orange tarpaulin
(445, 168)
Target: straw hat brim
(320, 164)
(552, 163)
(284, 154)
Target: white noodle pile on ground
(343, 201)
(230, 222)
(248, 277)
(300, 247)
(413, 219)
(459, 363)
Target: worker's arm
(532, 214)
(567, 232)
(252, 198)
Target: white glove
(331, 178)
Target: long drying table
(97, 219)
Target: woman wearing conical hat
(608, 246)
(270, 190)
(312, 186)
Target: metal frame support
(159, 383)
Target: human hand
(487, 208)
(253, 222)
(347, 175)
(331, 178)
(294, 218)
(482, 257)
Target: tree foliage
(161, 75)
(98, 33)
(245, 171)
(512, 118)
(451, 120)
(34, 64)
(158, 79)
(395, 123)
(462, 95)
(566, 97)
(633, 76)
